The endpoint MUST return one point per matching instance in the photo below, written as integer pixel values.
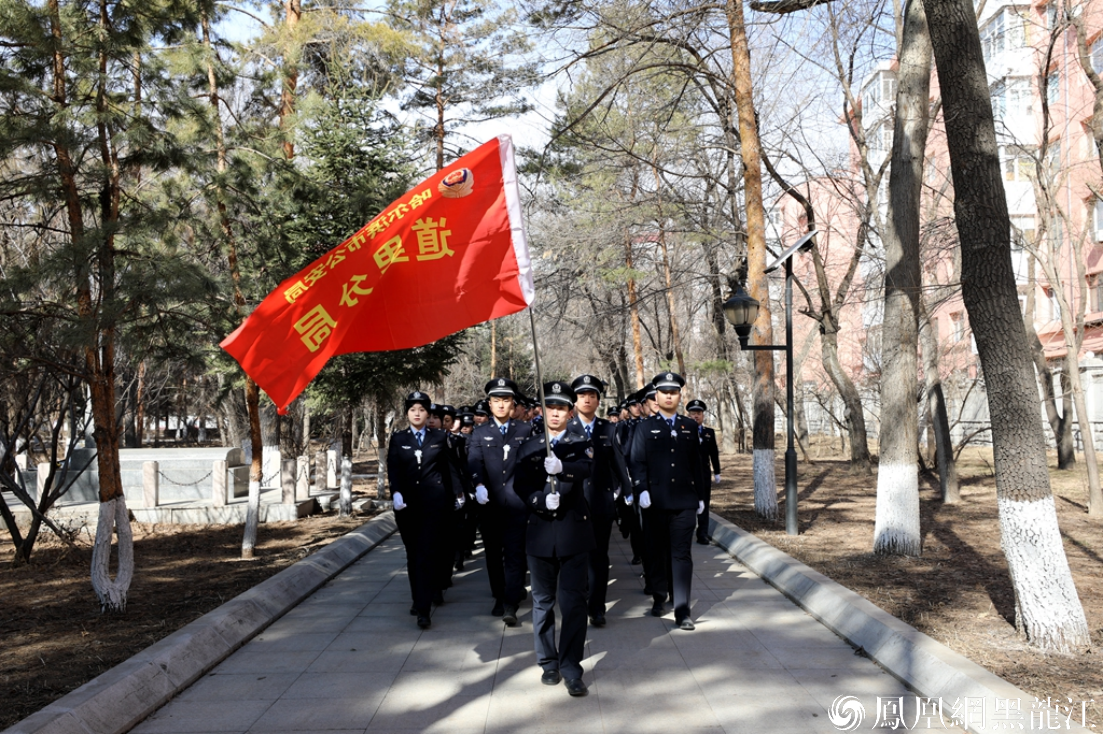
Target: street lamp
(740, 310)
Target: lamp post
(740, 310)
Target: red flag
(448, 254)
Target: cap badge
(587, 379)
(670, 376)
(556, 387)
(502, 383)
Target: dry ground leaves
(958, 591)
(54, 637)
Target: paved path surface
(351, 659)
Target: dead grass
(958, 591)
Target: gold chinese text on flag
(449, 254)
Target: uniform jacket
(710, 453)
(668, 466)
(609, 472)
(433, 482)
(566, 531)
(491, 465)
(459, 443)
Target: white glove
(552, 500)
(397, 501)
(460, 500)
(482, 496)
(716, 478)
(701, 507)
(645, 499)
(628, 499)
(552, 464)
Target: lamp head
(741, 310)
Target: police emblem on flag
(457, 184)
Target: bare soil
(958, 591)
(55, 638)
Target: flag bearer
(558, 539)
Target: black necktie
(589, 426)
(418, 436)
(502, 428)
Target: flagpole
(540, 392)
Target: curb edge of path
(118, 699)
(926, 666)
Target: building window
(1054, 157)
(958, 327)
(880, 90)
(1011, 98)
(774, 226)
(1096, 56)
(880, 138)
(1017, 164)
(1098, 220)
(1051, 16)
(1005, 31)
(1055, 305)
(1096, 293)
(1052, 87)
(1023, 232)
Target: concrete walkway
(351, 659)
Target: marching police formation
(544, 489)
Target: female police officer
(425, 489)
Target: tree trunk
(634, 314)
(937, 407)
(852, 402)
(897, 510)
(293, 11)
(766, 494)
(1047, 607)
(1060, 424)
(381, 452)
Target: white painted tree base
(1048, 609)
(112, 593)
(897, 511)
(766, 494)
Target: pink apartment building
(1052, 172)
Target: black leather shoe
(702, 540)
(459, 564)
(413, 610)
(498, 610)
(551, 678)
(439, 598)
(598, 620)
(686, 624)
(509, 615)
(635, 561)
(423, 621)
(657, 606)
(576, 687)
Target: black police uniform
(428, 478)
(502, 520)
(608, 476)
(558, 544)
(665, 460)
(710, 454)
